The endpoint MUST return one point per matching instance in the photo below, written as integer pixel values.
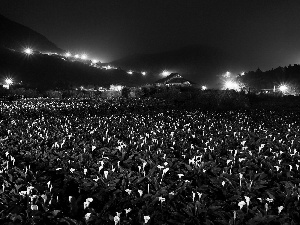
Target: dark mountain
(201, 64)
(44, 71)
(16, 36)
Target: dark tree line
(258, 79)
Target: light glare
(68, 54)
(83, 56)
(231, 85)
(28, 51)
(283, 88)
(9, 81)
(165, 73)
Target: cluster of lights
(203, 88)
(231, 85)
(29, 51)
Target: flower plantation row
(143, 162)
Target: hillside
(17, 36)
(197, 63)
(45, 72)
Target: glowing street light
(231, 85)
(68, 54)
(95, 61)
(243, 73)
(203, 87)
(143, 73)
(83, 56)
(165, 73)
(283, 88)
(76, 56)
(28, 51)
(227, 74)
(9, 81)
(130, 72)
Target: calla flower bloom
(87, 216)
(180, 175)
(29, 189)
(89, 200)
(247, 200)
(105, 174)
(128, 191)
(127, 210)
(116, 219)
(146, 218)
(241, 204)
(140, 192)
(160, 167)
(23, 193)
(165, 171)
(161, 199)
(34, 207)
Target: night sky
(262, 33)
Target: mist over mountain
(200, 64)
(16, 36)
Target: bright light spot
(231, 85)
(283, 88)
(143, 73)
(116, 87)
(68, 54)
(165, 73)
(9, 81)
(243, 73)
(76, 56)
(95, 60)
(203, 87)
(227, 74)
(28, 51)
(83, 56)
(130, 72)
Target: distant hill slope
(198, 63)
(16, 36)
(47, 72)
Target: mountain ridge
(196, 62)
(17, 36)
